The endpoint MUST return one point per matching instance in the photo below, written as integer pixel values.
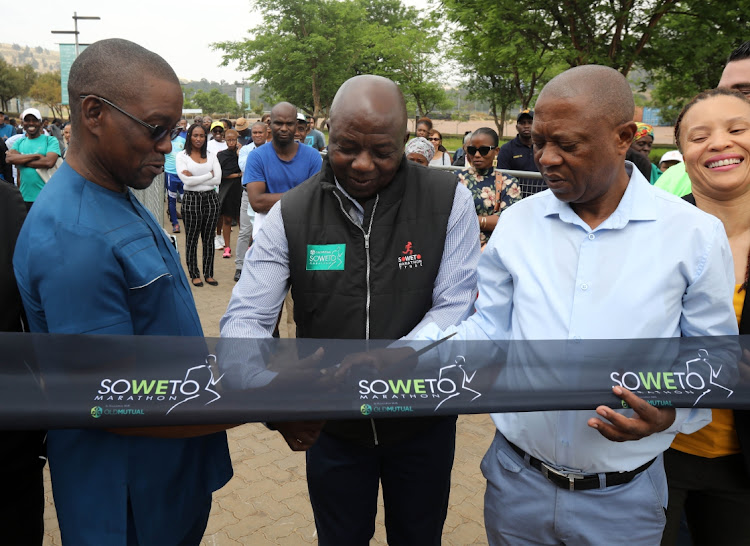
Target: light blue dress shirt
(657, 267)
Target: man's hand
(648, 419)
(375, 361)
(299, 435)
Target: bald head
(367, 125)
(283, 109)
(370, 97)
(113, 69)
(607, 91)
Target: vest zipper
(366, 235)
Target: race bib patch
(325, 257)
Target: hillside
(42, 60)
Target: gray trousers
(521, 507)
(245, 236)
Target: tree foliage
(682, 44)
(46, 90)
(15, 81)
(214, 102)
(689, 50)
(305, 49)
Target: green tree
(15, 81)
(214, 102)
(305, 49)
(402, 46)
(682, 62)
(46, 90)
(302, 51)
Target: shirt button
(584, 286)
(592, 236)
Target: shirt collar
(637, 204)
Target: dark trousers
(192, 536)
(343, 480)
(174, 188)
(200, 212)
(715, 494)
(22, 511)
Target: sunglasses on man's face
(483, 150)
(435, 139)
(157, 132)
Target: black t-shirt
(228, 161)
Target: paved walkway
(267, 503)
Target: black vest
(333, 278)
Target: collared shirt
(257, 297)
(242, 158)
(132, 285)
(656, 268)
(515, 155)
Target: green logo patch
(325, 257)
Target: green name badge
(325, 257)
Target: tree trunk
(500, 125)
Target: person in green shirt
(35, 151)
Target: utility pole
(76, 17)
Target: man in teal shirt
(35, 151)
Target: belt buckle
(570, 476)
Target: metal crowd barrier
(153, 198)
(530, 182)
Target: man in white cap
(670, 159)
(35, 151)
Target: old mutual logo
(366, 409)
(96, 412)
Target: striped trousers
(200, 212)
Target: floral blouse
(492, 191)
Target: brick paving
(266, 502)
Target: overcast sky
(181, 32)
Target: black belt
(579, 482)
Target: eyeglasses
(483, 150)
(435, 139)
(158, 132)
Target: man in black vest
(403, 243)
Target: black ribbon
(76, 381)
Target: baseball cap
(33, 111)
(216, 124)
(526, 112)
(671, 155)
(301, 117)
(241, 124)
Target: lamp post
(76, 17)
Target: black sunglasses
(158, 132)
(483, 150)
(436, 139)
